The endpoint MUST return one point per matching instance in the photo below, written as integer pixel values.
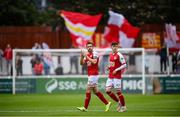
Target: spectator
(45, 45)
(8, 57)
(1, 60)
(104, 63)
(84, 69)
(33, 62)
(178, 63)
(19, 63)
(163, 59)
(174, 62)
(47, 59)
(47, 63)
(74, 62)
(36, 46)
(38, 67)
(59, 70)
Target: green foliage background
(138, 12)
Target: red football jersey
(116, 60)
(92, 68)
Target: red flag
(80, 26)
(120, 30)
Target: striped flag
(80, 26)
(120, 30)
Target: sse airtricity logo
(51, 85)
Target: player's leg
(100, 95)
(102, 98)
(93, 81)
(122, 106)
(87, 99)
(109, 86)
(71, 65)
(117, 86)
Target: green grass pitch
(65, 105)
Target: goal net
(58, 70)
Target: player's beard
(90, 50)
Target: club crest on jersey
(115, 58)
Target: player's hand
(114, 72)
(85, 54)
(107, 67)
(82, 53)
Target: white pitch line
(157, 110)
(73, 110)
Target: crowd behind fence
(45, 63)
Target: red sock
(87, 100)
(101, 97)
(113, 96)
(121, 98)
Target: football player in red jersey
(117, 64)
(91, 59)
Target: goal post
(61, 58)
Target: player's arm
(121, 67)
(93, 61)
(123, 64)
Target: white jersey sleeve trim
(121, 58)
(122, 61)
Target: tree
(20, 12)
(138, 12)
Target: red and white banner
(171, 37)
(120, 30)
(80, 26)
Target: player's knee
(88, 91)
(88, 97)
(119, 92)
(95, 92)
(108, 92)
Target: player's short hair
(114, 43)
(89, 42)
